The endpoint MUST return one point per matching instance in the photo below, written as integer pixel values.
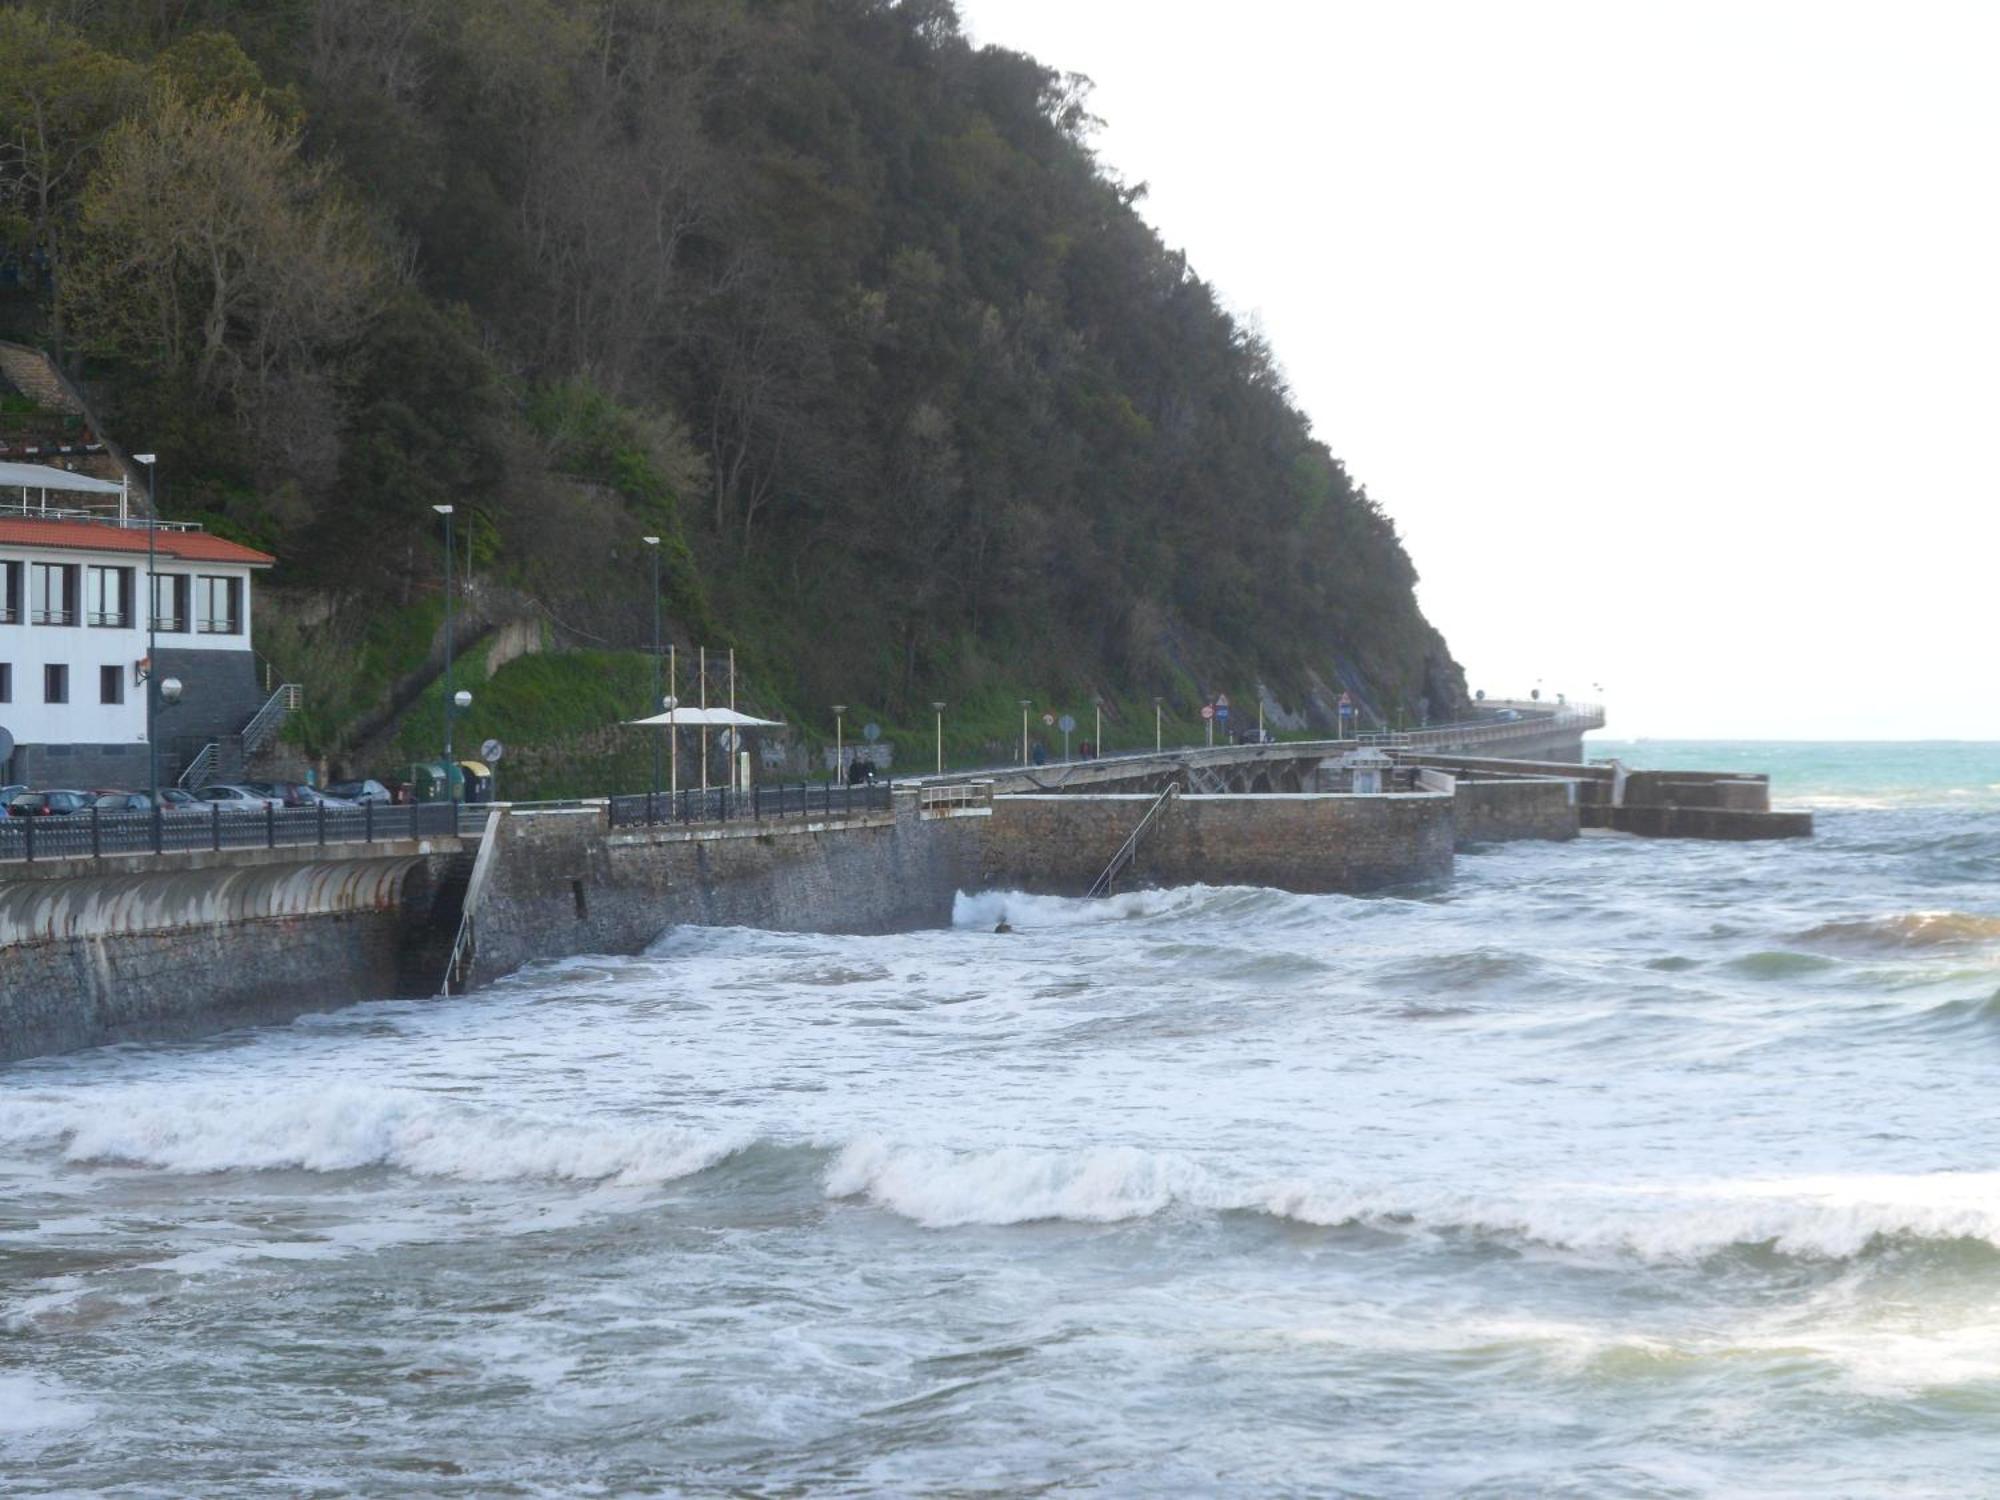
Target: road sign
(1208, 710)
(1066, 723)
(6, 745)
(491, 751)
(1050, 720)
(1222, 712)
(1222, 700)
(871, 732)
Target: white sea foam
(350, 1126)
(1824, 1218)
(36, 1410)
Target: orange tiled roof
(96, 536)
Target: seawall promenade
(128, 946)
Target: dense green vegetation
(840, 307)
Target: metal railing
(1129, 850)
(955, 797)
(201, 770)
(268, 720)
(721, 805)
(98, 835)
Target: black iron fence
(721, 805)
(95, 834)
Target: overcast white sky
(1669, 333)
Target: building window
(219, 606)
(170, 602)
(10, 593)
(55, 684)
(54, 593)
(111, 684)
(111, 597)
(6, 682)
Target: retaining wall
(1493, 812)
(562, 885)
(1058, 845)
(96, 951)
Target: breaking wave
(1815, 1219)
(1904, 930)
(351, 1127)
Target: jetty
(120, 928)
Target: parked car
(234, 798)
(121, 802)
(7, 795)
(310, 796)
(172, 798)
(56, 802)
(284, 793)
(365, 790)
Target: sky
(1668, 333)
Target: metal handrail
(270, 718)
(1129, 849)
(199, 769)
(462, 945)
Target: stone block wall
(1493, 812)
(1058, 845)
(562, 884)
(124, 949)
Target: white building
(73, 638)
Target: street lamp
(937, 707)
(1024, 729)
(839, 755)
(1156, 725)
(151, 460)
(1097, 731)
(449, 698)
(653, 543)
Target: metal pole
(152, 639)
(940, 737)
(704, 731)
(1097, 734)
(654, 543)
(673, 723)
(1024, 731)
(735, 734)
(448, 646)
(1156, 726)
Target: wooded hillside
(841, 306)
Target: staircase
(227, 758)
(431, 930)
(1129, 850)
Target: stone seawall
(1057, 845)
(563, 886)
(1493, 812)
(97, 951)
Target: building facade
(73, 645)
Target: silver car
(232, 798)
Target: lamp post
(151, 460)
(1156, 726)
(653, 543)
(937, 707)
(839, 756)
(449, 699)
(1097, 729)
(1024, 730)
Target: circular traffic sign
(1208, 710)
(1066, 723)
(1049, 719)
(871, 732)
(491, 751)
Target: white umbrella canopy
(711, 718)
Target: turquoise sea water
(1833, 773)
(1609, 1169)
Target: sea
(1609, 1168)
